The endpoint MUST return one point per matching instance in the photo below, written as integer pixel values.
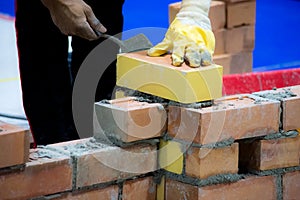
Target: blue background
(277, 27)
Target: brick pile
(233, 24)
(240, 147)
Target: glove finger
(206, 57)
(193, 55)
(160, 49)
(178, 52)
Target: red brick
(240, 39)
(204, 162)
(270, 154)
(129, 120)
(291, 185)
(107, 193)
(46, 173)
(142, 189)
(291, 110)
(220, 41)
(14, 145)
(242, 13)
(219, 122)
(216, 15)
(237, 63)
(101, 163)
(250, 188)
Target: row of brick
(256, 116)
(241, 156)
(76, 165)
(251, 188)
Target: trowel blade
(136, 43)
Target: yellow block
(156, 76)
(171, 156)
(160, 194)
(298, 131)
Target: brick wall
(233, 24)
(240, 147)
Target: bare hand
(74, 17)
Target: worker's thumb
(160, 49)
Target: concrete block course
(14, 145)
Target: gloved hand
(74, 17)
(189, 36)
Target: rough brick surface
(100, 163)
(108, 193)
(204, 162)
(237, 63)
(240, 39)
(142, 189)
(219, 122)
(128, 119)
(217, 15)
(290, 99)
(270, 154)
(14, 145)
(46, 173)
(184, 84)
(243, 13)
(250, 188)
(291, 185)
(220, 41)
(291, 110)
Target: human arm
(189, 36)
(74, 17)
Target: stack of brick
(241, 147)
(90, 168)
(233, 23)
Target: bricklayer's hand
(189, 37)
(74, 17)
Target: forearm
(195, 11)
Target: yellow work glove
(74, 17)
(189, 37)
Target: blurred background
(277, 40)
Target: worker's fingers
(206, 57)
(192, 55)
(93, 21)
(178, 51)
(85, 31)
(160, 49)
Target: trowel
(136, 43)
